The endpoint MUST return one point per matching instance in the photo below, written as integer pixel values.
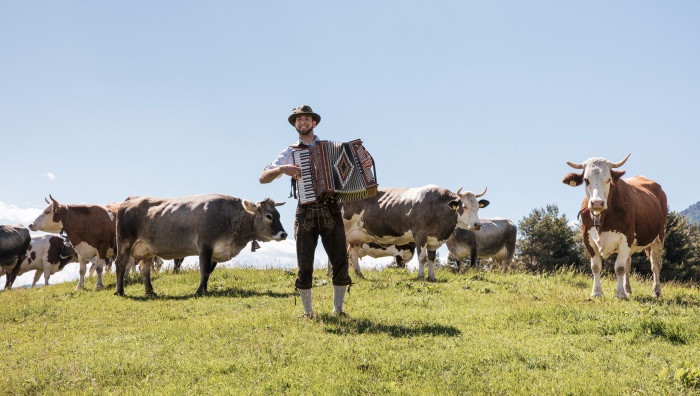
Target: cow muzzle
(32, 227)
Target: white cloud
(10, 214)
(51, 176)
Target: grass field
(472, 333)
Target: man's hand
(291, 170)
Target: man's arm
(271, 174)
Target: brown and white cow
(47, 254)
(14, 242)
(425, 216)
(622, 216)
(89, 228)
(215, 227)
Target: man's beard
(304, 133)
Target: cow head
(467, 207)
(598, 175)
(68, 252)
(51, 219)
(267, 225)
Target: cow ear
(573, 179)
(454, 205)
(616, 175)
(250, 207)
(483, 203)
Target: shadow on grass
(685, 301)
(229, 292)
(342, 326)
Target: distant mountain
(693, 213)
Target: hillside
(474, 333)
(693, 213)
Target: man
(313, 220)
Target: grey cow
(495, 239)
(425, 216)
(214, 227)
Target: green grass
(472, 333)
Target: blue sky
(182, 98)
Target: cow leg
(176, 265)
(596, 267)
(472, 256)
(628, 273)
(421, 262)
(83, 269)
(120, 263)
(354, 258)
(37, 275)
(621, 271)
(205, 267)
(431, 265)
(655, 257)
(98, 265)
(145, 266)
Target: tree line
(548, 241)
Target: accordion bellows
(341, 169)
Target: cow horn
(47, 200)
(619, 164)
(54, 201)
(575, 166)
(482, 194)
(459, 191)
(280, 203)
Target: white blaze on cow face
(45, 221)
(468, 214)
(597, 178)
(598, 174)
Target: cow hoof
(622, 295)
(359, 275)
(656, 293)
(432, 279)
(420, 277)
(596, 295)
(118, 293)
(99, 287)
(151, 294)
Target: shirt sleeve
(284, 158)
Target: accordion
(341, 169)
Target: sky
(102, 100)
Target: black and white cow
(495, 239)
(425, 216)
(14, 242)
(401, 253)
(47, 254)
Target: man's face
(304, 124)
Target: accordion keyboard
(305, 187)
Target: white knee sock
(305, 295)
(338, 297)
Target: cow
(14, 242)
(214, 227)
(47, 254)
(495, 239)
(90, 230)
(425, 216)
(401, 253)
(622, 216)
